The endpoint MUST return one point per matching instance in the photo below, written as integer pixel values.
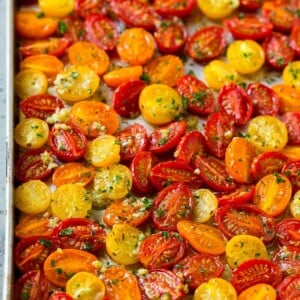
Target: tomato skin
(292, 122)
(233, 219)
(198, 268)
(287, 232)
(174, 8)
(291, 170)
(250, 5)
(72, 29)
(295, 37)
(287, 289)
(262, 271)
(241, 195)
(60, 296)
(172, 204)
(207, 43)
(85, 7)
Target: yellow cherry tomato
(291, 74)
(206, 203)
(85, 286)
(267, 133)
(103, 151)
(218, 73)
(260, 291)
(215, 289)
(245, 56)
(243, 247)
(160, 104)
(57, 8)
(30, 82)
(32, 197)
(295, 205)
(218, 9)
(71, 201)
(123, 242)
(31, 133)
(76, 82)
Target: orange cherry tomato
(116, 77)
(289, 97)
(33, 25)
(202, 237)
(136, 46)
(73, 172)
(272, 194)
(94, 118)
(86, 53)
(292, 152)
(63, 263)
(238, 157)
(260, 291)
(165, 69)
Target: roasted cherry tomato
(217, 10)
(295, 205)
(291, 169)
(67, 142)
(133, 139)
(81, 234)
(258, 271)
(212, 172)
(241, 195)
(295, 37)
(244, 219)
(287, 289)
(259, 290)
(287, 258)
(219, 131)
(291, 74)
(250, 5)
(249, 27)
(206, 43)
(101, 31)
(56, 8)
(180, 8)
(287, 232)
(198, 268)
(162, 250)
(200, 99)
(126, 98)
(87, 7)
(288, 96)
(60, 296)
(292, 122)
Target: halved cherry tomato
(295, 205)
(30, 25)
(63, 263)
(165, 138)
(292, 152)
(288, 96)
(101, 31)
(202, 237)
(135, 13)
(291, 74)
(198, 268)
(60, 296)
(287, 258)
(180, 8)
(79, 233)
(170, 35)
(133, 139)
(250, 5)
(162, 250)
(56, 8)
(157, 283)
(287, 232)
(120, 284)
(295, 37)
(258, 291)
(218, 131)
(291, 169)
(249, 27)
(200, 99)
(67, 142)
(236, 219)
(206, 43)
(86, 7)
(126, 98)
(172, 204)
(288, 288)
(212, 172)
(40, 106)
(292, 122)
(265, 100)
(241, 195)
(278, 51)
(30, 253)
(254, 271)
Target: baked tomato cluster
(157, 150)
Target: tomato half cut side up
(126, 98)
(85, 7)
(60, 296)
(288, 288)
(177, 8)
(291, 169)
(241, 195)
(250, 5)
(295, 37)
(287, 232)
(291, 120)
(234, 219)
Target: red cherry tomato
(249, 27)
(67, 143)
(181, 8)
(85, 7)
(219, 131)
(241, 195)
(291, 169)
(235, 103)
(250, 5)
(162, 250)
(295, 37)
(288, 288)
(126, 98)
(278, 51)
(244, 219)
(72, 28)
(291, 120)
(254, 271)
(60, 296)
(40, 106)
(81, 234)
(287, 232)
(206, 43)
(166, 138)
(200, 99)
(172, 204)
(212, 172)
(101, 31)
(133, 139)
(265, 100)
